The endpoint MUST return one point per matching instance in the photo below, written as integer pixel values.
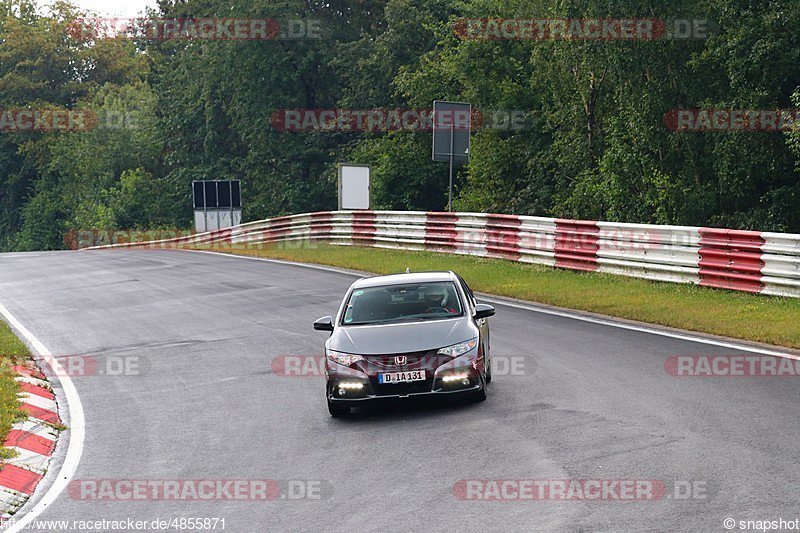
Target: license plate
(402, 377)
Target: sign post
(452, 122)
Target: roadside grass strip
(739, 315)
(29, 423)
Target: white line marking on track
(77, 426)
(563, 314)
(643, 329)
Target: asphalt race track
(587, 401)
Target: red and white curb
(33, 440)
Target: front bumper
(371, 397)
(359, 382)
(344, 387)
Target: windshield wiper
(410, 318)
(426, 316)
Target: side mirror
(483, 311)
(324, 324)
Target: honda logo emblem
(400, 360)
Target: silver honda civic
(406, 335)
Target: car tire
(338, 410)
(489, 370)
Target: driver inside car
(438, 301)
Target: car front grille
(427, 360)
(414, 361)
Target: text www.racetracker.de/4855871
(126, 524)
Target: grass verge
(738, 315)
(12, 351)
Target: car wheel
(488, 369)
(337, 409)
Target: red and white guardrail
(752, 261)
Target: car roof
(399, 279)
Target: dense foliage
(594, 142)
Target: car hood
(403, 337)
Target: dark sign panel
(236, 194)
(224, 194)
(199, 197)
(211, 195)
(217, 194)
(451, 127)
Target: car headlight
(459, 349)
(345, 359)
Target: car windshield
(401, 303)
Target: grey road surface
(586, 401)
